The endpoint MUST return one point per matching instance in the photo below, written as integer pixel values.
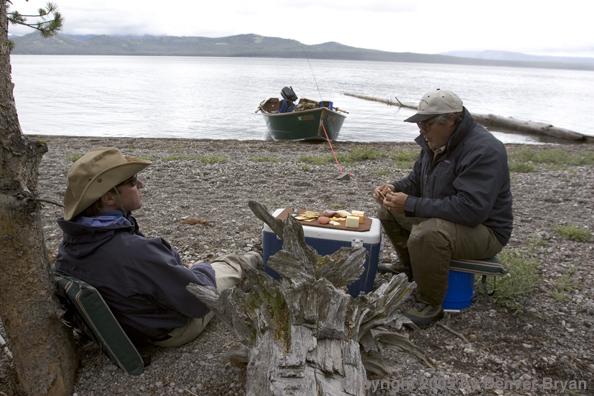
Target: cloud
(430, 26)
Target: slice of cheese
(352, 222)
(359, 214)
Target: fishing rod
(312, 72)
(342, 176)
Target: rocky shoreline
(196, 194)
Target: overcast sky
(422, 26)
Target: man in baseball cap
(435, 109)
(455, 204)
(142, 280)
(434, 103)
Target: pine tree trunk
(41, 346)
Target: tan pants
(228, 274)
(428, 245)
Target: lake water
(209, 97)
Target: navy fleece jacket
(468, 184)
(142, 280)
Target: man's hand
(395, 202)
(380, 193)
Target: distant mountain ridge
(247, 45)
(517, 56)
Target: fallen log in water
(386, 101)
(305, 334)
(506, 123)
(532, 127)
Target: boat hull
(305, 125)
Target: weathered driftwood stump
(306, 335)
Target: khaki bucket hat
(437, 102)
(94, 174)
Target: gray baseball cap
(436, 102)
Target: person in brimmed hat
(96, 174)
(142, 280)
(456, 202)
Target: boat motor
(289, 94)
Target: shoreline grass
(528, 159)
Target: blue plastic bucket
(460, 290)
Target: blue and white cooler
(329, 239)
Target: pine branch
(47, 28)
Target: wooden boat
(306, 121)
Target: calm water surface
(202, 97)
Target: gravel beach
(196, 194)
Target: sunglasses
(132, 181)
(425, 125)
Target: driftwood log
(531, 127)
(504, 123)
(305, 334)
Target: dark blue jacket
(142, 280)
(468, 184)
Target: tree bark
(42, 347)
(306, 335)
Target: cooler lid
(372, 236)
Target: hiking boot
(423, 314)
(395, 268)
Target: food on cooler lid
(352, 222)
(359, 214)
(334, 218)
(308, 215)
